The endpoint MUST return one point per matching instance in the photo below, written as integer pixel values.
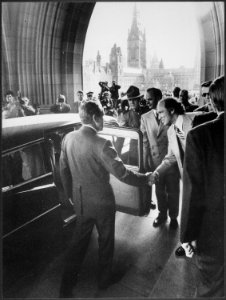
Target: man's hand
(153, 177)
(189, 248)
(150, 178)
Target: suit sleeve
(65, 173)
(146, 146)
(193, 190)
(115, 166)
(168, 161)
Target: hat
(133, 92)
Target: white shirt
(179, 123)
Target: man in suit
(204, 101)
(77, 102)
(171, 112)
(207, 109)
(155, 145)
(184, 99)
(176, 92)
(86, 162)
(202, 219)
(60, 106)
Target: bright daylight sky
(171, 30)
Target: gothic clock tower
(136, 44)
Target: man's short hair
(61, 98)
(10, 93)
(206, 83)
(172, 104)
(176, 91)
(88, 109)
(156, 95)
(216, 92)
(184, 94)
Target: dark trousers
(210, 277)
(167, 194)
(105, 225)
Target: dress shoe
(159, 220)
(114, 278)
(180, 251)
(173, 224)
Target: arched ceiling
(43, 42)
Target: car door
(129, 145)
(31, 207)
(55, 138)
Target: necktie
(157, 118)
(179, 133)
(181, 142)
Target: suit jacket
(155, 141)
(173, 154)
(202, 216)
(204, 117)
(86, 162)
(131, 119)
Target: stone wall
(42, 48)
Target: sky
(171, 30)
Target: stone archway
(43, 45)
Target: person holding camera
(11, 106)
(61, 106)
(26, 108)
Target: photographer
(26, 108)
(11, 107)
(61, 106)
(104, 88)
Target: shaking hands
(152, 177)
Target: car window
(127, 148)
(24, 164)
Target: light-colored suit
(155, 141)
(173, 154)
(86, 162)
(155, 145)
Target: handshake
(153, 177)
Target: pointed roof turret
(98, 59)
(161, 65)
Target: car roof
(18, 131)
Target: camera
(22, 102)
(143, 102)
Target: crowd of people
(126, 110)
(181, 141)
(17, 106)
